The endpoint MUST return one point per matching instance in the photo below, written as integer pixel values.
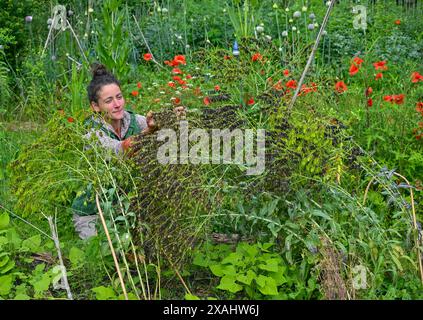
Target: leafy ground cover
(334, 215)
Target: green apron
(84, 204)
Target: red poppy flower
(418, 137)
(257, 56)
(314, 86)
(171, 84)
(148, 56)
(188, 76)
(369, 91)
(70, 119)
(291, 84)
(139, 85)
(216, 88)
(286, 73)
(176, 101)
(379, 76)
(419, 107)
(358, 61)
(206, 101)
(305, 89)
(181, 82)
(341, 87)
(176, 78)
(399, 99)
(397, 22)
(370, 102)
(353, 69)
(135, 93)
(388, 98)
(171, 63)
(380, 65)
(176, 71)
(250, 101)
(179, 59)
(416, 77)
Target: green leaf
(22, 296)
(4, 220)
(321, 214)
(9, 266)
(104, 293)
(191, 297)
(5, 284)
(220, 270)
(201, 260)
(228, 283)
(42, 284)
(233, 258)
(246, 278)
(271, 265)
(32, 244)
(267, 285)
(76, 256)
(279, 276)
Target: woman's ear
(94, 106)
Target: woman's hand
(180, 111)
(151, 124)
(126, 144)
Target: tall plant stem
(100, 212)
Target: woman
(114, 127)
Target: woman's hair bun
(98, 70)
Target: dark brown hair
(101, 77)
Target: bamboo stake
(100, 212)
(311, 57)
(413, 211)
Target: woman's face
(110, 102)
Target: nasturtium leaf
(267, 285)
(32, 244)
(246, 278)
(232, 258)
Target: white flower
(324, 32)
(164, 10)
(90, 10)
(304, 9)
(310, 26)
(28, 19)
(297, 14)
(155, 84)
(298, 31)
(291, 21)
(280, 49)
(294, 28)
(162, 92)
(284, 33)
(85, 35)
(287, 9)
(159, 9)
(269, 38)
(328, 3)
(187, 46)
(259, 29)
